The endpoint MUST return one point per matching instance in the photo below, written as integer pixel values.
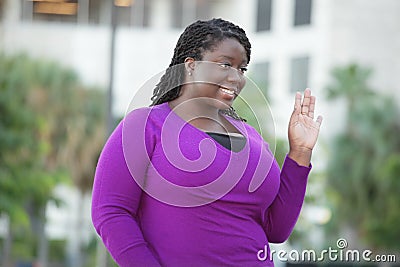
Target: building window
(132, 12)
(264, 12)
(184, 12)
(1, 9)
(302, 12)
(177, 13)
(123, 15)
(202, 9)
(260, 75)
(58, 11)
(128, 12)
(299, 73)
(141, 13)
(94, 11)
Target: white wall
(139, 53)
(368, 32)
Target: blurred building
(295, 42)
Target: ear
(189, 64)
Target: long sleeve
(115, 202)
(282, 214)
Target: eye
(243, 69)
(225, 65)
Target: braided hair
(197, 38)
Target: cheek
(242, 82)
(216, 78)
(210, 75)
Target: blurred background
(69, 69)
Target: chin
(223, 104)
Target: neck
(190, 109)
(190, 106)
(201, 115)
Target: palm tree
(364, 165)
(84, 143)
(51, 131)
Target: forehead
(228, 48)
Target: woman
(186, 182)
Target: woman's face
(219, 77)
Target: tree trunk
(42, 238)
(37, 217)
(74, 241)
(6, 262)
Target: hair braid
(197, 38)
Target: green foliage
(365, 163)
(57, 250)
(51, 131)
(350, 81)
(19, 150)
(383, 225)
(23, 243)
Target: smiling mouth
(228, 91)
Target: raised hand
(303, 129)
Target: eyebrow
(231, 58)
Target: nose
(234, 76)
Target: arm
(281, 216)
(115, 202)
(302, 133)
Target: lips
(229, 91)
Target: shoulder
(146, 116)
(141, 129)
(146, 112)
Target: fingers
(305, 106)
(312, 107)
(297, 103)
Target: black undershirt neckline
(232, 142)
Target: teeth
(230, 92)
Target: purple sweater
(166, 194)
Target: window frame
(267, 26)
(299, 75)
(302, 12)
(260, 73)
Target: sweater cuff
(294, 180)
(294, 165)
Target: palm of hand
(303, 130)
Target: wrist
(301, 155)
(300, 149)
